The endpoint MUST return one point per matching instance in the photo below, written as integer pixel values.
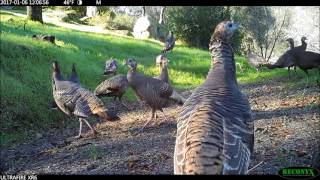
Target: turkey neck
(115, 73)
(164, 73)
(303, 44)
(292, 45)
(56, 75)
(131, 76)
(223, 70)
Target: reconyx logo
(299, 172)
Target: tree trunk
(34, 13)
(161, 15)
(144, 10)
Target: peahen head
(111, 67)
(225, 30)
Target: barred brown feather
(115, 86)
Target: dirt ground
(287, 133)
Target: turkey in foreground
(75, 100)
(215, 128)
(115, 86)
(156, 93)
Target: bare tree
(265, 25)
(277, 33)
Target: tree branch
(278, 35)
(267, 34)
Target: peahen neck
(223, 70)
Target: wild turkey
(294, 50)
(288, 58)
(75, 100)
(162, 62)
(255, 60)
(215, 128)
(306, 60)
(73, 78)
(302, 47)
(291, 44)
(115, 86)
(285, 60)
(170, 42)
(156, 93)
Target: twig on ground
(254, 167)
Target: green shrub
(121, 22)
(80, 10)
(194, 24)
(101, 20)
(111, 21)
(71, 16)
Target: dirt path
(287, 125)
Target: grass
(26, 70)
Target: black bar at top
(161, 2)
